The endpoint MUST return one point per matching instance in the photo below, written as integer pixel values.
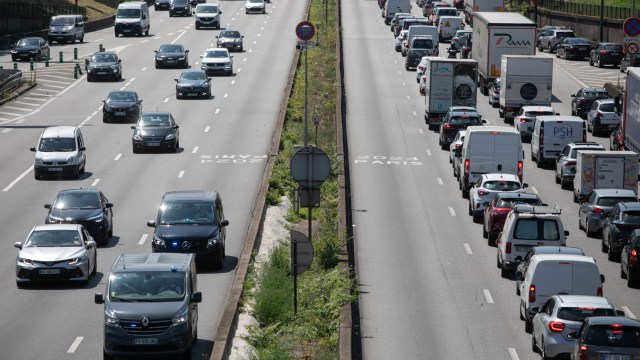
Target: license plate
(522, 248)
(49, 271)
(615, 357)
(614, 53)
(119, 113)
(126, 30)
(153, 144)
(55, 169)
(102, 73)
(24, 55)
(170, 61)
(192, 94)
(145, 341)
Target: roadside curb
(21, 90)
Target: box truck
(496, 34)
(391, 7)
(449, 82)
(473, 6)
(601, 169)
(525, 80)
(631, 111)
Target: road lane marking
(487, 295)
(144, 68)
(233, 82)
(18, 178)
(404, 84)
(25, 103)
(195, 149)
(440, 181)
(217, 110)
(32, 98)
(428, 152)
(627, 312)
(225, 95)
(415, 113)
(130, 81)
(84, 121)
(16, 108)
(420, 131)
(166, 100)
(75, 345)
(408, 97)
(207, 129)
(95, 182)
(452, 212)
(239, 70)
(8, 113)
(54, 86)
(399, 72)
(6, 130)
(117, 157)
(179, 36)
(143, 238)
(513, 354)
(245, 59)
(180, 174)
(467, 248)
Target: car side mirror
(82, 148)
(176, 127)
(231, 56)
(119, 61)
(220, 12)
(196, 297)
(573, 95)
(224, 222)
(242, 37)
(91, 243)
(176, 80)
(566, 233)
(525, 185)
(114, 17)
(602, 278)
(144, 17)
(518, 276)
(534, 310)
(557, 113)
(133, 127)
(47, 206)
(484, 121)
(186, 51)
(216, 36)
(140, 101)
(155, 51)
(201, 57)
(98, 298)
(108, 205)
(32, 149)
(18, 245)
(151, 223)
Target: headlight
(79, 260)
(97, 218)
(38, 161)
(52, 29)
(170, 137)
(136, 136)
(14, 51)
(110, 318)
(160, 57)
(67, 28)
(158, 241)
(113, 66)
(24, 261)
(203, 66)
(53, 219)
(72, 159)
(181, 317)
(34, 51)
(182, 58)
(106, 108)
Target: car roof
(151, 113)
(562, 257)
(557, 250)
(220, 49)
(59, 131)
(77, 191)
(584, 301)
(56, 227)
(152, 262)
(614, 192)
(630, 205)
(190, 195)
(500, 176)
(605, 320)
(534, 108)
(514, 195)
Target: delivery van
(448, 26)
(551, 133)
(132, 18)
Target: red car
(495, 213)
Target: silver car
(562, 315)
(56, 252)
(566, 163)
(602, 117)
(255, 6)
(598, 206)
(400, 39)
(525, 117)
(456, 144)
(216, 60)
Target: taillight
(501, 210)
(507, 249)
(603, 52)
(583, 352)
(520, 165)
(508, 108)
(583, 100)
(420, 67)
(633, 257)
(482, 193)
(599, 114)
(556, 326)
(584, 132)
(458, 146)
(447, 126)
(599, 292)
(523, 120)
(571, 163)
(532, 293)
(541, 140)
(466, 167)
(440, 26)
(598, 211)
(462, 25)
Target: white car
(217, 60)
(485, 189)
(526, 116)
(255, 6)
(401, 38)
(422, 66)
(602, 116)
(456, 144)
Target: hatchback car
(560, 316)
(35, 48)
(255, 6)
(629, 61)
(570, 48)
(104, 64)
(56, 252)
(457, 118)
(456, 144)
(582, 100)
(216, 60)
(607, 337)
(526, 116)
(566, 162)
(161, 4)
(60, 151)
(193, 84)
(602, 117)
(496, 211)
(88, 207)
(488, 185)
(598, 206)
(624, 218)
(606, 53)
(171, 55)
(121, 105)
(494, 93)
(537, 250)
(629, 265)
(180, 7)
(155, 131)
(457, 40)
(230, 39)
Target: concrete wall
(584, 26)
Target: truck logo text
(508, 40)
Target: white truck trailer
(473, 6)
(526, 80)
(600, 169)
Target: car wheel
(36, 176)
(528, 326)
(558, 179)
(622, 273)
(82, 168)
(187, 354)
(539, 163)
(485, 234)
(543, 353)
(241, 48)
(174, 149)
(498, 261)
(197, 27)
(550, 49)
(565, 55)
(610, 255)
(504, 273)
(534, 346)
(564, 185)
(599, 63)
(518, 288)
(470, 209)
(477, 218)
(588, 232)
(557, 55)
(631, 281)
(590, 61)
(135, 150)
(218, 263)
(95, 265)
(443, 146)
(491, 238)
(105, 120)
(76, 174)
(540, 49)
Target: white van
(489, 149)
(422, 30)
(60, 151)
(556, 274)
(132, 18)
(551, 133)
(448, 26)
(66, 28)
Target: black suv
(457, 118)
(191, 221)
(104, 64)
(413, 58)
(87, 207)
(121, 105)
(581, 101)
(624, 218)
(181, 7)
(606, 53)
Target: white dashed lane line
(143, 238)
(233, 82)
(627, 312)
(452, 212)
(487, 296)
(95, 182)
(84, 121)
(117, 157)
(217, 111)
(75, 345)
(144, 68)
(225, 95)
(18, 179)
(408, 97)
(165, 100)
(420, 131)
(245, 59)
(533, 190)
(207, 129)
(513, 354)
(180, 174)
(467, 248)
(440, 182)
(195, 149)
(428, 152)
(6, 130)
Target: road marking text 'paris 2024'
(387, 160)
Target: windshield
(207, 9)
(171, 48)
(180, 2)
(147, 286)
(121, 96)
(255, 1)
(220, 54)
(54, 238)
(57, 145)
(595, 95)
(128, 13)
(187, 213)
(62, 21)
(613, 336)
(612, 201)
(77, 200)
(578, 41)
(230, 34)
(154, 120)
(28, 42)
(193, 76)
(631, 217)
(103, 58)
(501, 185)
(579, 314)
(447, 12)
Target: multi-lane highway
(224, 144)
(429, 284)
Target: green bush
(273, 297)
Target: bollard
(60, 56)
(31, 64)
(15, 66)
(46, 61)
(75, 71)
(75, 53)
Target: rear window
(613, 47)
(464, 120)
(538, 113)
(501, 185)
(579, 314)
(578, 41)
(595, 95)
(423, 43)
(613, 335)
(564, 34)
(612, 201)
(448, 12)
(631, 217)
(537, 229)
(607, 107)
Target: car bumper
(230, 46)
(165, 6)
(55, 170)
(128, 28)
(216, 69)
(94, 74)
(79, 272)
(60, 37)
(181, 11)
(202, 252)
(175, 340)
(255, 10)
(511, 265)
(212, 22)
(555, 345)
(121, 116)
(171, 62)
(146, 145)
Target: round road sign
(632, 48)
(631, 27)
(305, 30)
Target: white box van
(551, 133)
(447, 27)
(556, 274)
(132, 18)
(489, 149)
(423, 30)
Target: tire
(610, 255)
(540, 49)
(174, 149)
(551, 51)
(76, 174)
(588, 232)
(105, 120)
(590, 61)
(219, 261)
(631, 281)
(105, 356)
(575, 198)
(558, 179)
(476, 217)
(600, 63)
(443, 146)
(470, 209)
(534, 346)
(539, 163)
(564, 185)
(95, 265)
(565, 55)
(543, 353)
(528, 326)
(491, 239)
(485, 233)
(498, 261)
(110, 232)
(187, 354)
(241, 48)
(622, 273)
(504, 273)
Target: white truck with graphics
(525, 80)
(449, 82)
(496, 34)
(473, 6)
(601, 169)
(631, 111)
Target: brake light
(583, 352)
(447, 126)
(523, 120)
(583, 100)
(532, 293)
(495, 133)
(556, 326)
(633, 257)
(462, 25)
(458, 146)
(571, 163)
(541, 136)
(466, 167)
(598, 211)
(507, 249)
(599, 114)
(440, 26)
(520, 165)
(600, 292)
(603, 52)
(482, 193)
(508, 108)
(501, 210)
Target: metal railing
(610, 12)
(11, 82)
(27, 9)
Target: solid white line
(195, 149)
(207, 129)
(180, 174)
(75, 345)
(94, 113)
(513, 354)
(225, 95)
(18, 178)
(130, 81)
(84, 121)
(217, 111)
(452, 212)
(16, 108)
(95, 182)
(117, 157)
(440, 181)
(428, 152)
(179, 36)
(627, 312)
(487, 295)
(143, 238)
(467, 248)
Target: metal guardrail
(16, 8)
(9, 80)
(610, 12)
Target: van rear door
(586, 278)
(557, 134)
(481, 154)
(552, 277)
(507, 150)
